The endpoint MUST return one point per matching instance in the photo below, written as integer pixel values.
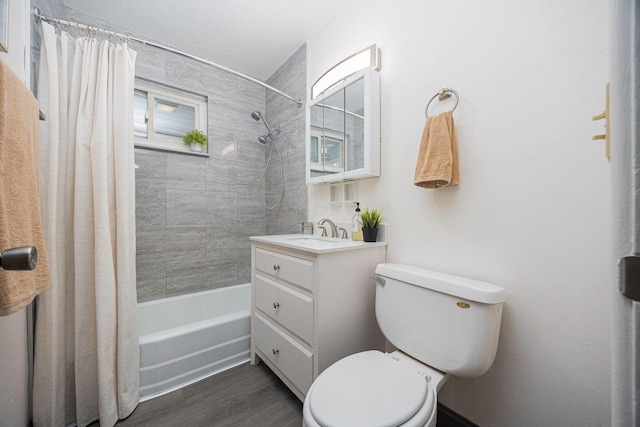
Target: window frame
(175, 95)
(320, 136)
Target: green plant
(370, 218)
(195, 137)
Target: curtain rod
(40, 17)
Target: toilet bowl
(441, 325)
(373, 389)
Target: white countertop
(315, 244)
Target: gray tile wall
(286, 115)
(194, 215)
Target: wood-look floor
(243, 396)
(246, 395)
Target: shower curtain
(86, 359)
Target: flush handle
(378, 279)
(630, 277)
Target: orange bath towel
(20, 223)
(437, 164)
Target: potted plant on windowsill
(196, 139)
(370, 220)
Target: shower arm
(40, 17)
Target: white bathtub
(187, 338)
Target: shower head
(257, 115)
(263, 139)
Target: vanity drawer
(290, 308)
(294, 361)
(295, 270)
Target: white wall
(13, 329)
(532, 212)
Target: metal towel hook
(443, 94)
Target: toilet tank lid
(470, 289)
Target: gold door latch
(605, 135)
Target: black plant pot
(369, 234)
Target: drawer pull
(276, 267)
(276, 305)
(275, 351)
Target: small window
(326, 151)
(162, 115)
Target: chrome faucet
(334, 229)
(344, 233)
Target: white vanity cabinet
(311, 305)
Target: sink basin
(319, 239)
(314, 243)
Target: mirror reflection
(354, 124)
(337, 131)
(333, 134)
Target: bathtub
(187, 338)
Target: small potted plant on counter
(196, 139)
(370, 220)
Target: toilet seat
(372, 389)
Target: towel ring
(442, 95)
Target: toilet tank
(448, 322)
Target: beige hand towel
(20, 223)
(437, 164)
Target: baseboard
(448, 418)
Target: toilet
(439, 323)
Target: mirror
(327, 137)
(354, 124)
(344, 130)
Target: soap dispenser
(356, 224)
